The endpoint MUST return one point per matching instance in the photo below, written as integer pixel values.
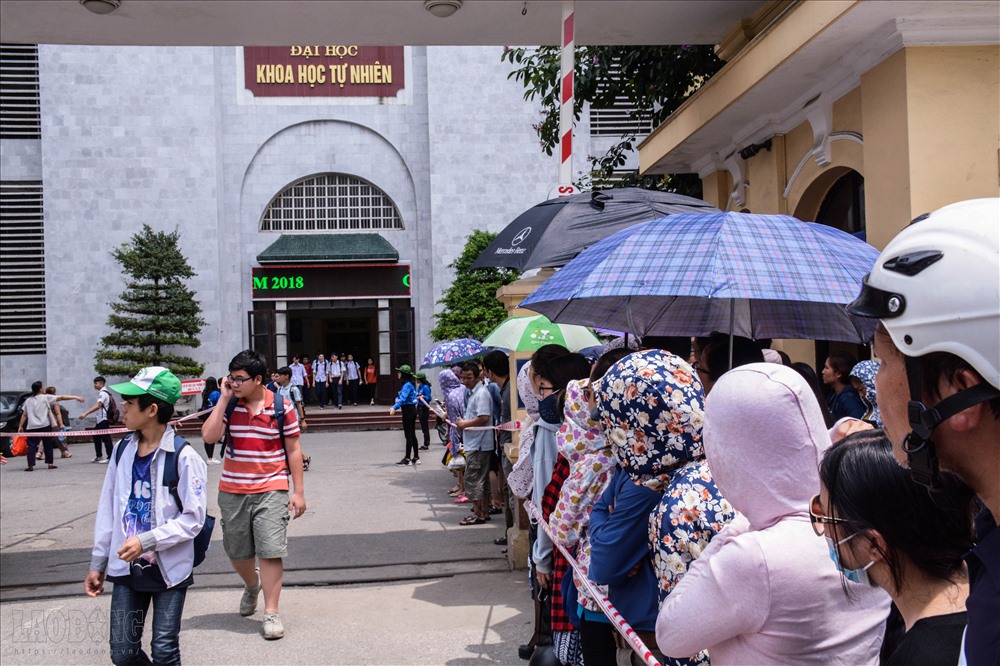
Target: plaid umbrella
(533, 331)
(452, 352)
(759, 276)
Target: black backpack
(112, 412)
(203, 540)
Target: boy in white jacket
(143, 542)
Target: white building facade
(201, 140)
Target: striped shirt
(256, 461)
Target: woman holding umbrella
(406, 401)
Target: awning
(328, 248)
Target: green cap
(421, 375)
(155, 381)
(405, 369)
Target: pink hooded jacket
(764, 591)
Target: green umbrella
(534, 331)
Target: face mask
(595, 414)
(859, 576)
(548, 409)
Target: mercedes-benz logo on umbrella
(521, 235)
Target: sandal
(472, 520)
(502, 541)
(496, 510)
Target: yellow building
(861, 115)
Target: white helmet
(936, 286)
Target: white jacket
(173, 532)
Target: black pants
(321, 393)
(597, 640)
(410, 431)
(106, 439)
(48, 443)
(425, 414)
(352, 391)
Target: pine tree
(471, 308)
(155, 311)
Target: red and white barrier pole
(567, 63)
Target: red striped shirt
(256, 461)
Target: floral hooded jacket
(652, 404)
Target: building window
(20, 116)
(620, 118)
(22, 268)
(331, 202)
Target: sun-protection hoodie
(581, 442)
(764, 591)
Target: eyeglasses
(237, 381)
(819, 519)
(542, 390)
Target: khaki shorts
(477, 469)
(254, 525)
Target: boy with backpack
(107, 413)
(261, 451)
(151, 512)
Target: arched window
(331, 202)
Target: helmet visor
(875, 303)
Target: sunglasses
(818, 519)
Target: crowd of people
(334, 381)
(734, 507)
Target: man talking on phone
(254, 497)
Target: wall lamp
(754, 148)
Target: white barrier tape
(616, 619)
(104, 431)
(509, 426)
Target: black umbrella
(554, 231)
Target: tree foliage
(653, 80)
(155, 311)
(471, 308)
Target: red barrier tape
(617, 621)
(104, 431)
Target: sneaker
(104, 461)
(248, 603)
(95, 459)
(214, 461)
(305, 463)
(373, 402)
(272, 627)
(403, 463)
(416, 461)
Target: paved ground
(379, 571)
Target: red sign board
(323, 71)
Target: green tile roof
(312, 248)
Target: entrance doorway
(843, 207)
(341, 331)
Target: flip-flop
(462, 499)
(472, 520)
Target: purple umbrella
(452, 352)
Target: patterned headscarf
(578, 435)
(652, 407)
(865, 372)
(522, 474)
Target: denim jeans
(128, 616)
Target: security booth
(333, 293)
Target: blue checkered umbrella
(760, 276)
(452, 352)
